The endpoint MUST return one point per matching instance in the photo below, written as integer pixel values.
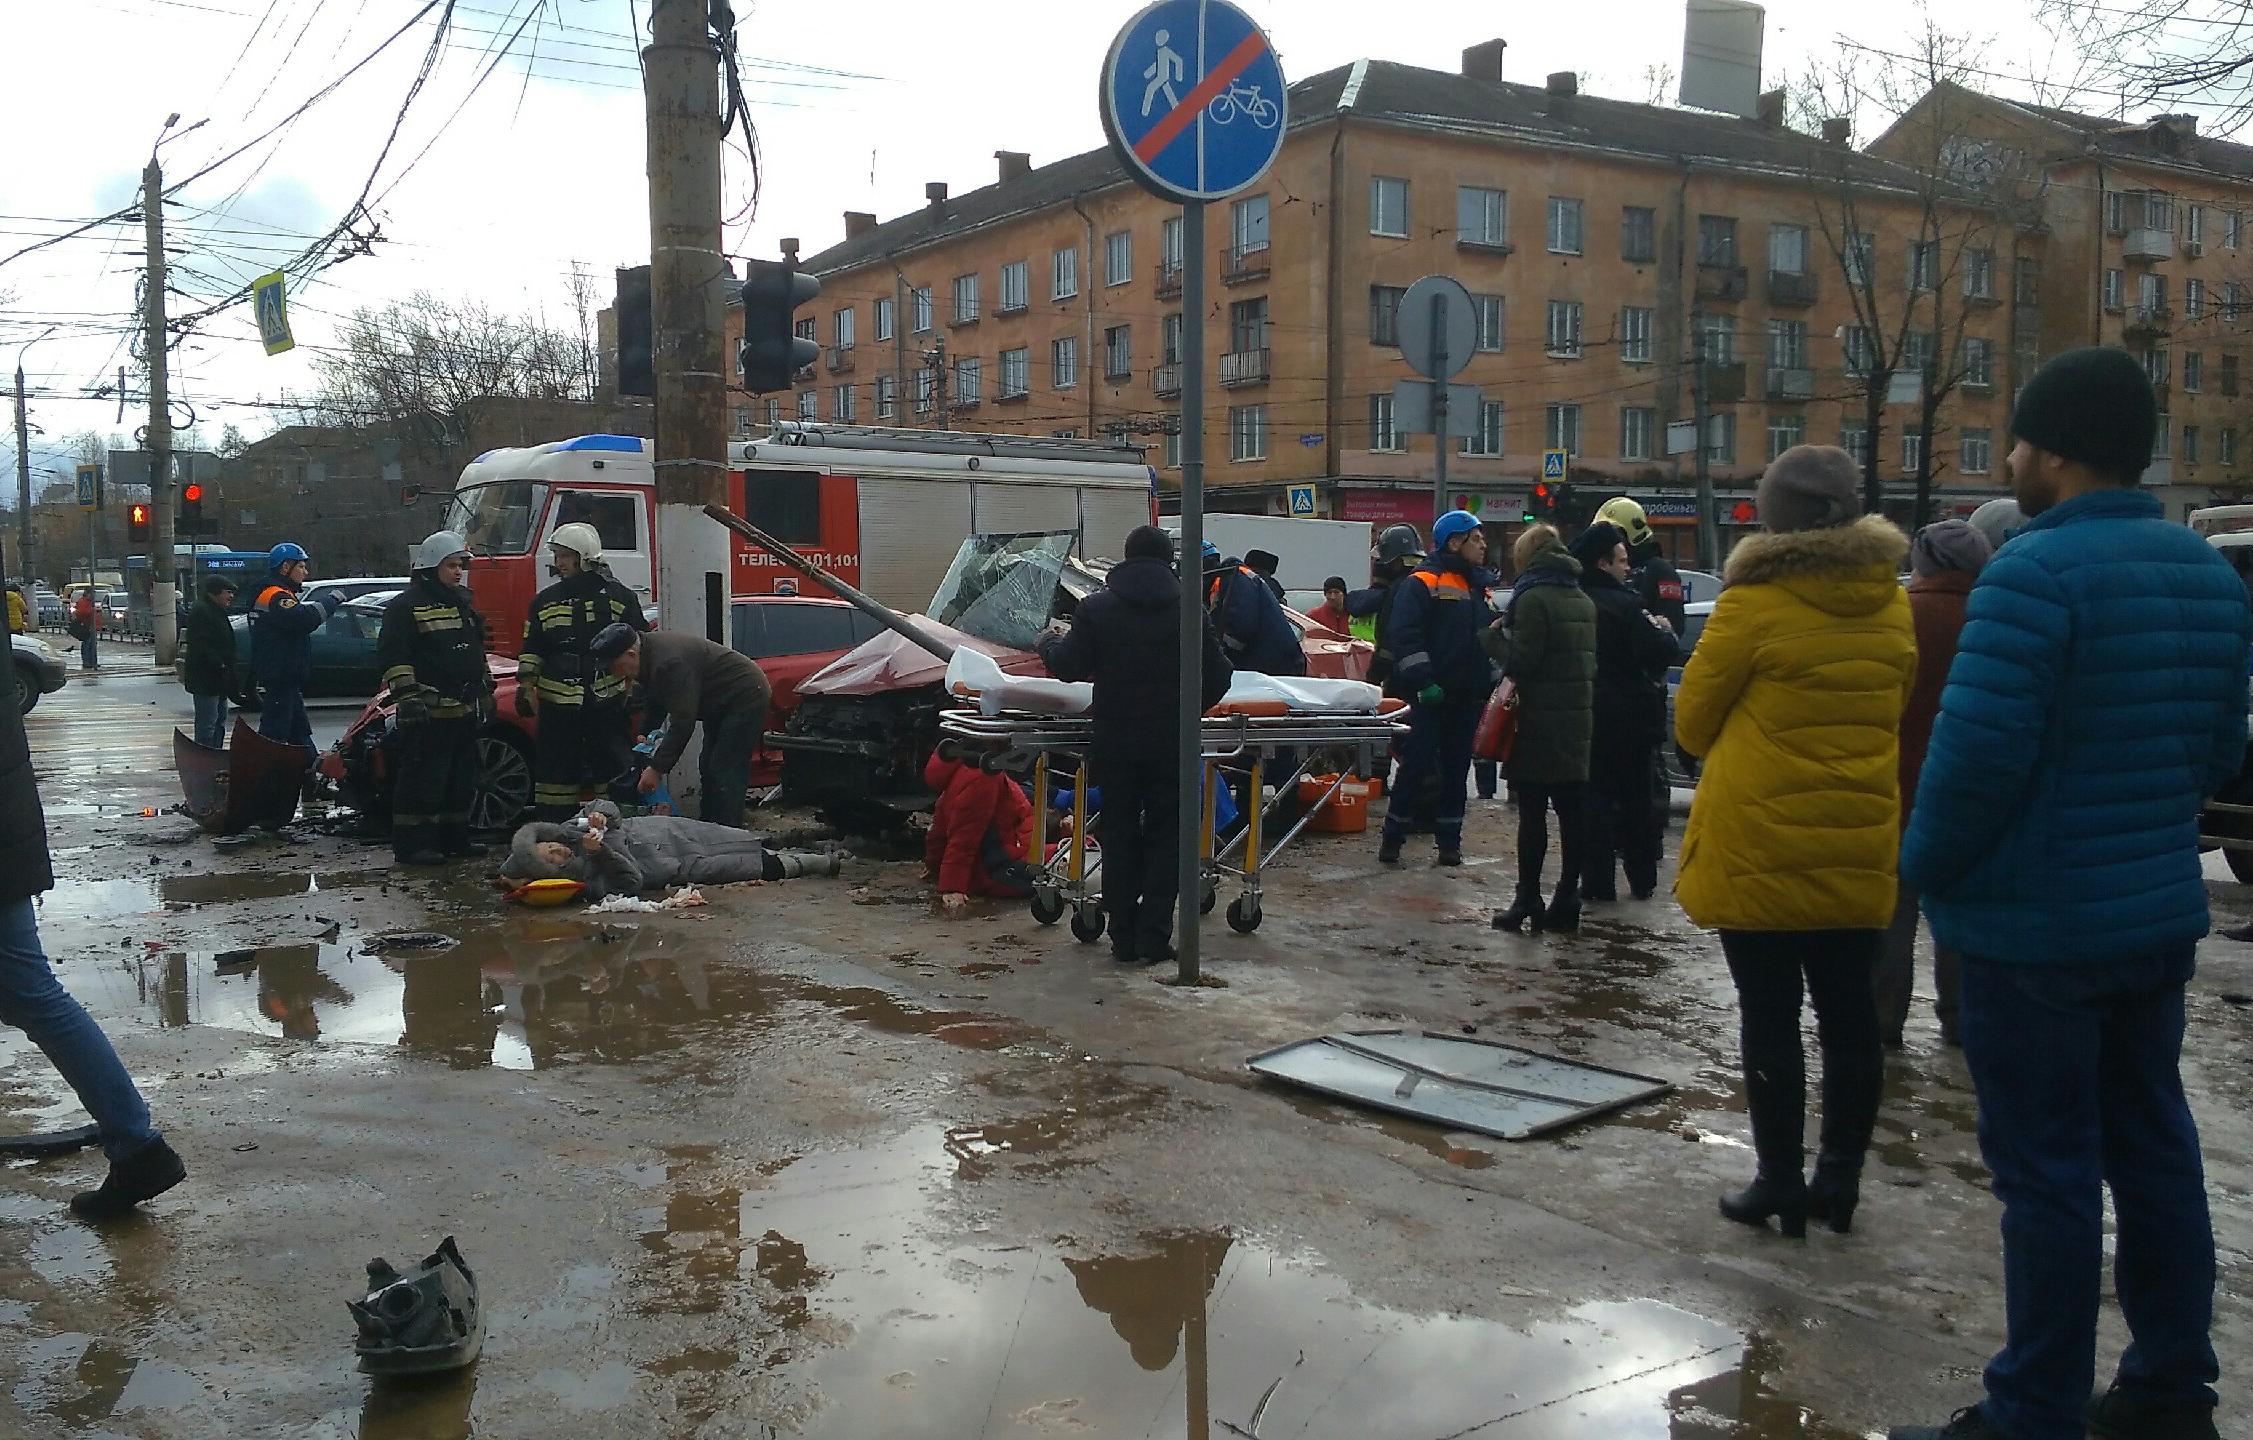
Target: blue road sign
(1302, 501)
(1193, 100)
(1553, 464)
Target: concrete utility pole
(163, 593)
(688, 294)
(1709, 527)
(23, 475)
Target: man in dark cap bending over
(693, 680)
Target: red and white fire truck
(884, 509)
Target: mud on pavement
(800, 1165)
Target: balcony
(1242, 267)
(1721, 282)
(1981, 299)
(1166, 378)
(2148, 244)
(1789, 382)
(1724, 383)
(1169, 279)
(2149, 321)
(1244, 367)
(840, 359)
(1790, 287)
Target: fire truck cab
(884, 509)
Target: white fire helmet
(437, 549)
(580, 539)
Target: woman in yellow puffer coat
(1794, 698)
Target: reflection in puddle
(433, 1409)
(79, 1381)
(253, 885)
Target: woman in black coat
(1633, 650)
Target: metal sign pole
(1189, 862)
(1439, 372)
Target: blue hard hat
(285, 553)
(1212, 551)
(1451, 525)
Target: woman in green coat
(1546, 643)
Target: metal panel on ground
(1023, 509)
(1479, 1085)
(910, 531)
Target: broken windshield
(1003, 587)
(496, 518)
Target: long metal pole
(164, 589)
(688, 295)
(1709, 529)
(23, 476)
(1439, 372)
(1191, 781)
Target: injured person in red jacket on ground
(981, 828)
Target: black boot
(2125, 1413)
(1834, 1190)
(1783, 1196)
(1527, 906)
(1564, 911)
(1388, 849)
(143, 1174)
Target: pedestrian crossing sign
(1552, 464)
(1302, 502)
(272, 309)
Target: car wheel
(504, 782)
(27, 687)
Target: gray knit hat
(1998, 520)
(1810, 487)
(1948, 545)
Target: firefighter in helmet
(432, 649)
(586, 738)
(1399, 551)
(1653, 575)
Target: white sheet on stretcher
(972, 676)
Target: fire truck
(885, 509)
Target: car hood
(891, 661)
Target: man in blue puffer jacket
(2097, 697)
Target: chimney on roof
(858, 223)
(1838, 130)
(1015, 164)
(1483, 61)
(1769, 109)
(935, 194)
(2173, 132)
(1563, 85)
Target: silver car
(36, 670)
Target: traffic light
(137, 523)
(1560, 501)
(772, 353)
(191, 510)
(1544, 501)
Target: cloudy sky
(507, 172)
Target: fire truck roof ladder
(953, 442)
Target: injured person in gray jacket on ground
(611, 855)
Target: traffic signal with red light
(137, 523)
(1544, 500)
(191, 509)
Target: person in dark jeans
(696, 681)
(1126, 638)
(2077, 903)
(210, 664)
(1546, 645)
(1794, 699)
(1633, 650)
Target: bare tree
(2166, 53)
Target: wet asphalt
(815, 1162)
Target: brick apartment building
(1608, 244)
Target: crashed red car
(791, 637)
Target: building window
(809, 405)
(1717, 338)
(965, 299)
(1787, 249)
(2115, 211)
(884, 319)
(1169, 339)
(2232, 301)
(2156, 365)
(2233, 228)
(1247, 226)
(926, 387)
(1637, 425)
(1976, 454)
(1721, 438)
(808, 330)
(1717, 239)
(1016, 372)
(1488, 309)
(1638, 234)
(1488, 441)
(1016, 287)
(920, 306)
(1388, 206)
(1118, 257)
(841, 326)
(1118, 352)
(1860, 353)
(1978, 363)
(1787, 344)
(1785, 431)
(1564, 328)
(887, 397)
(2190, 444)
(2115, 290)
(1482, 217)
(1859, 260)
(1172, 425)
(969, 381)
(1924, 264)
(841, 404)
(1912, 451)
(774, 413)
(2162, 438)
(1564, 226)
(1382, 435)
(1247, 326)
(1169, 247)
(2026, 281)
(1854, 439)
(1979, 274)
(1635, 323)
(2194, 371)
(2229, 374)
(742, 419)
(1560, 428)
(2225, 447)
(1247, 432)
(1064, 362)
(1917, 352)
(2151, 294)
(1384, 314)
(2159, 211)
(1064, 274)
(2194, 299)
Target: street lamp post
(23, 460)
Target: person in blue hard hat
(281, 647)
(1437, 616)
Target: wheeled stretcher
(1046, 747)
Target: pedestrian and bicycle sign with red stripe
(1193, 100)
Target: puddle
(254, 885)
(79, 1381)
(872, 1328)
(1473, 1153)
(433, 1409)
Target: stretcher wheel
(1208, 898)
(1048, 906)
(1243, 915)
(1087, 926)
(949, 748)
